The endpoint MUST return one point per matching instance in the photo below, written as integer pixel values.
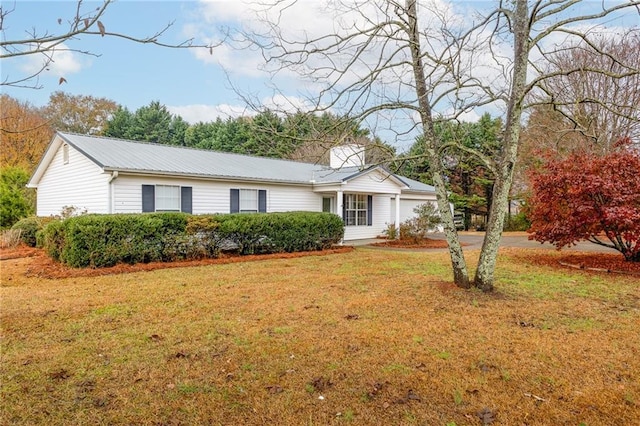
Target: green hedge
(280, 232)
(105, 240)
(30, 226)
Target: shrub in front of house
(280, 232)
(29, 228)
(106, 240)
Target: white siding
(381, 206)
(80, 183)
(213, 196)
(372, 183)
(406, 208)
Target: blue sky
(192, 84)
(130, 74)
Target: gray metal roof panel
(119, 154)
(145, 157)
(415, 185)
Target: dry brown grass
(10, 238)
(380, 335)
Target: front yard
(364, 337)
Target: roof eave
(204, 177)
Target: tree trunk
(459, 266)
(489, 254)
(458, 263)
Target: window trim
(234, 201)
(361, 216)
(245, 200)
(150, 199)
(177, 201)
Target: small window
(156, 198)
(167, 198)
(327, 204)
(65, 153)
(248, 201)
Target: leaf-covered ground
(367, 336)
(42, 266)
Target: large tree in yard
(588, 197)
(415, 64)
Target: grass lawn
(368, 337)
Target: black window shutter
(235, 200)
(186, 204)
(262, 201)
(369, 210)
(344, 207)
(148, 198)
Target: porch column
(339, 208)
(398, 216)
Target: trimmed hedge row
(105, 240)
(30, 227)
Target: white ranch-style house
(107, 175)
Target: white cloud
(206, 113)
(63, 62)
(287, 104)
(486, 61)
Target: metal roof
(144, 157)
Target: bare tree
(592, 109)
(415, 64)
(86, 21)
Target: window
(327, 204)
(357, 209)
(248, 200)
(65, 153)
(158, 198)
(167, 198)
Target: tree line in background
(27, 130)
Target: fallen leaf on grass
(352, 317)
(320, 383)
(100, 402)
(87, 385)
(411, 396)
(274, 389)
(60, 374)
(486, 416)
(376, 388)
